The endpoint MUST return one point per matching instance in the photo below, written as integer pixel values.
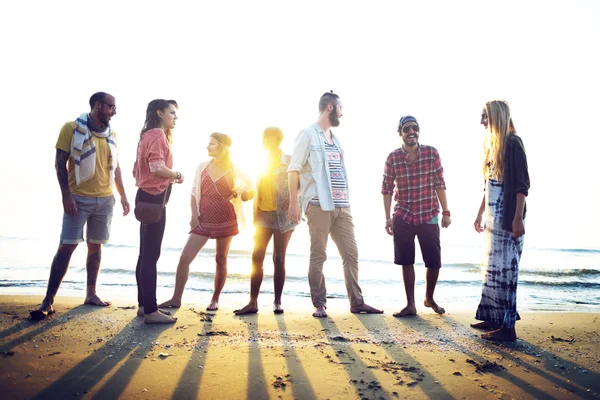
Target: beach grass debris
(214, 333)
(559, 339)
(340, 338)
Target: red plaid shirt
(416, 199)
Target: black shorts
(404, 243)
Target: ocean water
(549, 279)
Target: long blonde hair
(224, 143)
(500, 128)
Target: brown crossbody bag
(150, 213)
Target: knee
(184, 259)
(66, 249)
(278, 260)
(258, 257)
(221, 261)
(94, 247)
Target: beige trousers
(339, 225)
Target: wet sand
(106, 353)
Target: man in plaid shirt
(415, 170)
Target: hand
(389, 226)
(69, 204)
(446, 221)
(518, 228)
(125, 205)
(194, 223)
(247, 195)
(477, 224)
(180, 179)
(294, 213)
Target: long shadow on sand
(39, 327)
(88, 373)
(301, 386)
(256, 376)
(395, 351)
(361, 377)
(191, 377)
(576, 383)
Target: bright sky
(237, 67)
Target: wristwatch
(446, 213)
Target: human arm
(297, 161)
(440, 188)
(387, 190)
(387, 205)
(521, 185)
(165, 172)
(60, 164)
(121, 190)
(244, 185)
(194, 207)
(477, 223)
(294, 208)
(441, 194)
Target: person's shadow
(360, 376)
(40, 327)
(301, 386)
(576, 383)
(379, 326)
(191, 378)
(83, 377)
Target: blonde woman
(217, 190)
(271, 220)
(503, 212)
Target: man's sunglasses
(407, 129)
(112, 107)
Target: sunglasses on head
(407, 129)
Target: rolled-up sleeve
(387, 186)
(301, 152)
(438, 172)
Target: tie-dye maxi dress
(498, 303)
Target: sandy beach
(107, 353)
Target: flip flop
(38, 315)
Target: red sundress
(217, 216)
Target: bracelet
(446, 213)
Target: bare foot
(42, 312)
(408, 310)
(250, 308)
(501, 335)
(277, 309)
(213, 306)
(94, 300)
(140, 312)
(365, 309)
(433, 305)
(173, 303)
(485, 325)
(320, 312)
(158, 318)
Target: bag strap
(165, 196)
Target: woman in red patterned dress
(217, 186)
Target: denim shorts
(266, 219)
(94, 212)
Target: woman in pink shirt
(154, 175)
